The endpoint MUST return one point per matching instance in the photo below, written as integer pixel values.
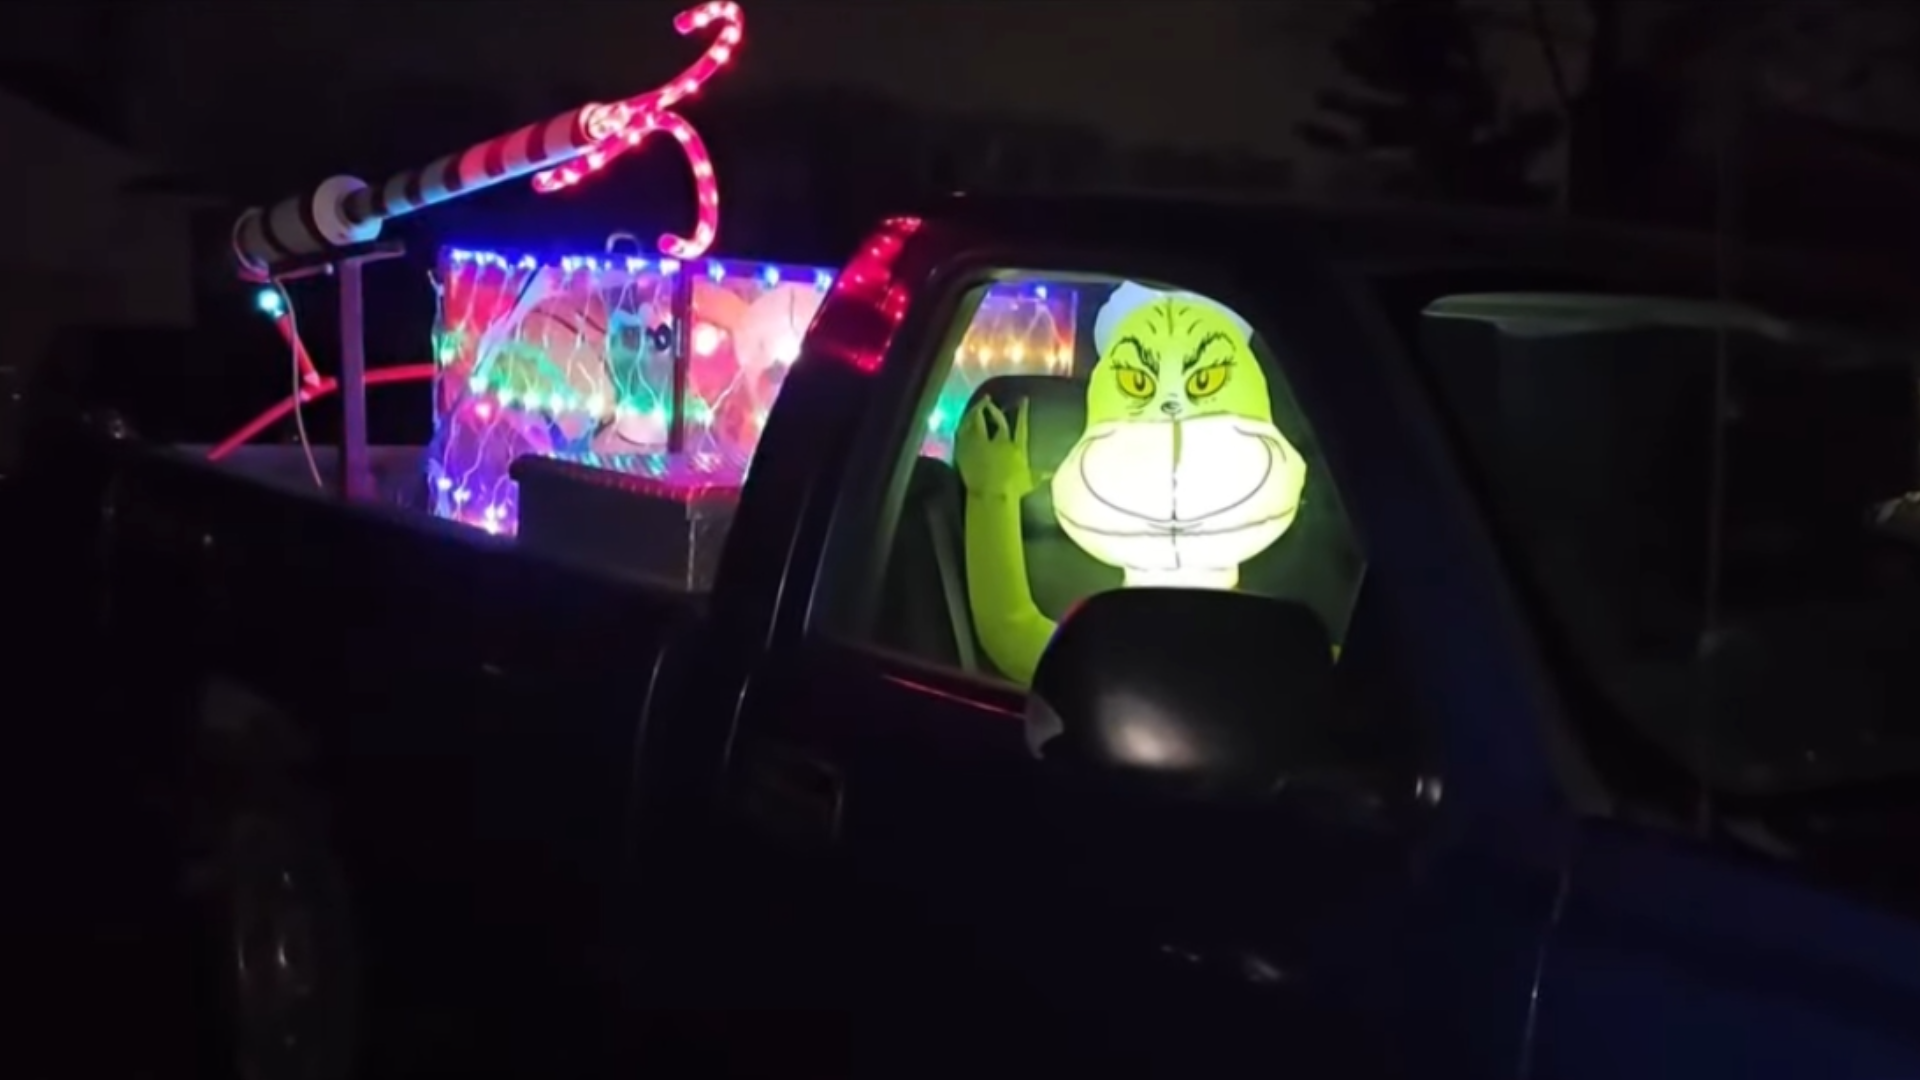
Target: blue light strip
(715, 269)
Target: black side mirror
(1190, 693)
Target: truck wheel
(275, 945)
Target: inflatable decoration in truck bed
(655, 368)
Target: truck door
(1743, 637)
(936, 873)
(1679, 958)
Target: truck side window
(1711, 507)
(1094, 436)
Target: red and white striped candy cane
(653, 111)
(561, 151)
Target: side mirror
(1190, 693)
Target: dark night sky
(1196, 72)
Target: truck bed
(484, 704)
(397, 470)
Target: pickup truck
(1389, 644)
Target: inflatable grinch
(1178, 478)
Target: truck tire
(274, 942)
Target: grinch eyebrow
(1141, 354)
(1207, 343)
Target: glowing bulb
(706, 339)
(270, 302)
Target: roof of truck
(1451, 237)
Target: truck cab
(1479, 836)
(1377, 642)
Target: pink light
(706, 339)
(623, 126)
(862, 312)
(291, 335)
(310, 394)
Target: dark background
(131, 134)
(1790, 122)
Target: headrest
(1056, 410)
(1628, 417)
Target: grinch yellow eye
(1206, 382)
(1136, 383)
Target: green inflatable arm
(991, 454)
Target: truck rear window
(1716, 509)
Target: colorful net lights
(583, 358)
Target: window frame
(1507, 743)
(866, 519)
(1605, 765)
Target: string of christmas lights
(560, 152)
(575, 359)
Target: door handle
(788, 795)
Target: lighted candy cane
(343, 210)
(706, 189)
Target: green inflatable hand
(991, 455)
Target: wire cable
(300, 388)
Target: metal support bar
(356, 474)
(682, 308)
(355, 480)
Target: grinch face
(1181, 475)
